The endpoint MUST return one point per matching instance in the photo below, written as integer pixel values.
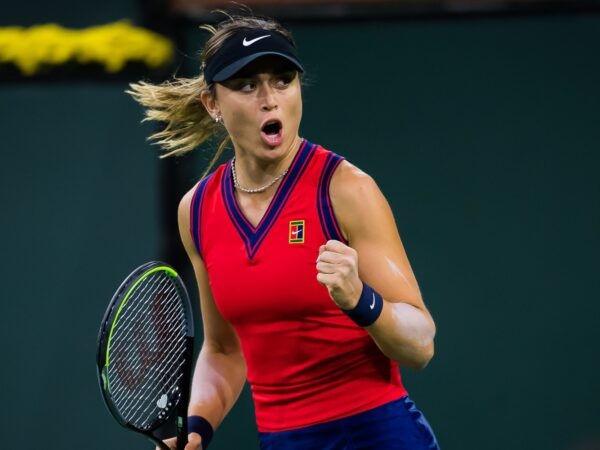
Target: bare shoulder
(355, 193)
(183, 219)
(351, 184)
(359, 205)
(183, 211)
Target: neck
(252, 173)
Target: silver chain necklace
(236, 184)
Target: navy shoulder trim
(326, 216)
(196, 212)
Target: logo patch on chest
(296, 235)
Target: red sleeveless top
(307, 362)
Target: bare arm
(220, 370)
(405, 330)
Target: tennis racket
(145, 351)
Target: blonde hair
(177, 102)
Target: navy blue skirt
(397, 425)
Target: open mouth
(272, 133)
(272, 128)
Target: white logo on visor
(252, 41)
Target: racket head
(145, 351)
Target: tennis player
(306, 290)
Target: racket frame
(103, 357)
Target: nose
(268, 97)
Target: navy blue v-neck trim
(254, 236)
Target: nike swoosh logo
(252, 41)
(372, 305)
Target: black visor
(244, 47)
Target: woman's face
(261, 107)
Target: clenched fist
(337, 270)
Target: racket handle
(182, 407)
(182, 432)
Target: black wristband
(198, 424)
(368, 308)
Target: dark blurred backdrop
(480, 125)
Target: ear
(210, 103)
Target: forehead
(265, 64)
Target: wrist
(368, 308)
(348, 301)
(198, 424)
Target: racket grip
(182, 407)
(182, 432)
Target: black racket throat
(145, 352)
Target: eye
(280, 83)
(247, 86)
(284, 79)
(240, 84)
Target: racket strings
(148, 351)
(152, 386)
(137, 410)
(160, 382)
(137, 332)
(147, 335)
(128, 340)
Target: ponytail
(177, 103)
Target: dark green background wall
(483, 134)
